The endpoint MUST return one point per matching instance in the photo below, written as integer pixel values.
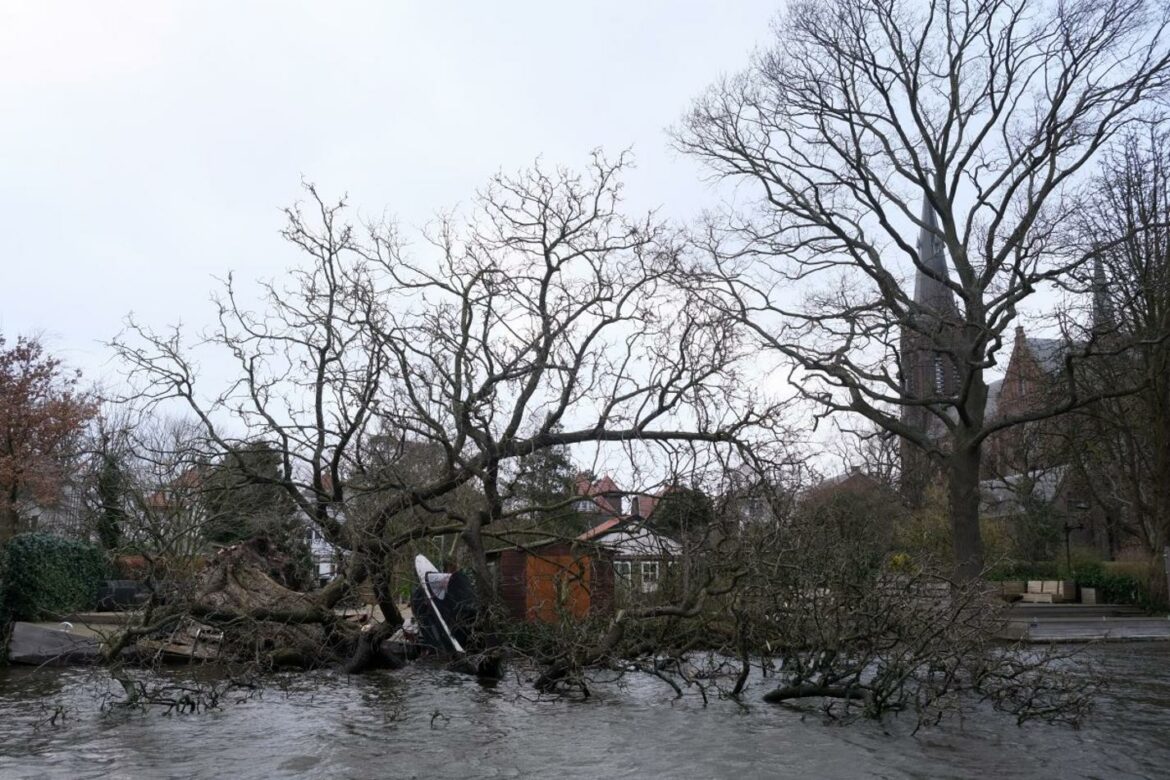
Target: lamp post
(1079, 508)
(1166, 565)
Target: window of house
(649, 576)
(621, 570)
(940, 374)
(585, 505)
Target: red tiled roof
(604, 493)
(187, 482)
(603, 486)
(599, 529)
(598, 488)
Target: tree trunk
(963, 487)
(1162, 491)
(472, 538)
(383, 582)
(9, 523)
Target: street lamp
(1080, 507)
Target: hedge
(1115, 583)
(44, 577)
(1116, 587)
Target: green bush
(1024, 570)
(1115, 583)
(1115, 587)
(45, 577)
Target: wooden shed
(550, 581)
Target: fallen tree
(816, 606)
(402, 396)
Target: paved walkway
(1084, 623)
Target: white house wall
(641, 544)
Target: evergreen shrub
(1115, 583)
(45, 577)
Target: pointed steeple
(1103, 319)
(930, 292)
(928, 369)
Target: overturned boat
(446, 610)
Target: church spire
(928, 367)
(930, 292)
(1103, 319)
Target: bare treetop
(542, 318)
(870, 123)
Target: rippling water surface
(427, 723)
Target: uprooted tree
(536, 323)
(408, 398)
(870, 123)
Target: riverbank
(79, 636)
(1072, 623)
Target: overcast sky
(147, 147)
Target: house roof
(853, 480)
(190, 481)
(1049, 353)
(1005, 496)
(603, 486)
(600, 529)
(639, 542)
(628, 537)
(598, 488)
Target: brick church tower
(929, 372)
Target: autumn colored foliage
(42, 411)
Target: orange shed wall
(556, 584)
(536, 585)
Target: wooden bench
(1050, 591)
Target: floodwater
(426, 723)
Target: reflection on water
(421, 722)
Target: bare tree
(864, 109)
(544, 319)
(1122, 445)
(862, 631)
(870, 450)
(401, 392)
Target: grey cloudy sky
(148, 146)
